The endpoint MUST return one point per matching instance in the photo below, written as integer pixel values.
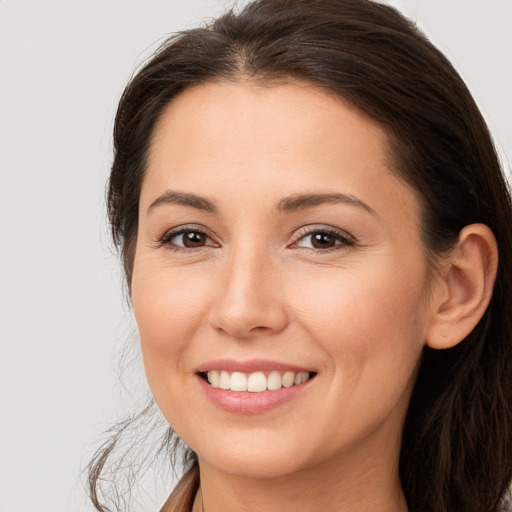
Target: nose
(249, 301)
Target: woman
(317, 240)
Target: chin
(255, 465)
(253, 456)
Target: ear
(464, 287)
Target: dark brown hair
(456, 450)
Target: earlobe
(464, 287)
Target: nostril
(260, 328)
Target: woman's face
(275, 245)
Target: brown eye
(194, 239)
(324, 239)
(186, 239)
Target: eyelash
(165, 240)
(345, 240)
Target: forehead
(264, 116)
(251, 143)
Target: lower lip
(246, 402)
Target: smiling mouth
(255, 382)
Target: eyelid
(346, 238)
(165, 239)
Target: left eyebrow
(304, 201)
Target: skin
(358, 313)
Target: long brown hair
(456, 450)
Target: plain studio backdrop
(63, 66)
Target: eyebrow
(286, 205)
(304, 201)
(192, 200)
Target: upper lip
(250, 366)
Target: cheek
(369, 323)
(361, 301)
(371, 332)
(168, 307)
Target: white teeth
(255, 382)
(274, 381)
(224, 380)
(213, 378)
(238, 381)
(288, 379)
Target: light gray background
(63, 65)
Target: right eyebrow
(174, 197)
